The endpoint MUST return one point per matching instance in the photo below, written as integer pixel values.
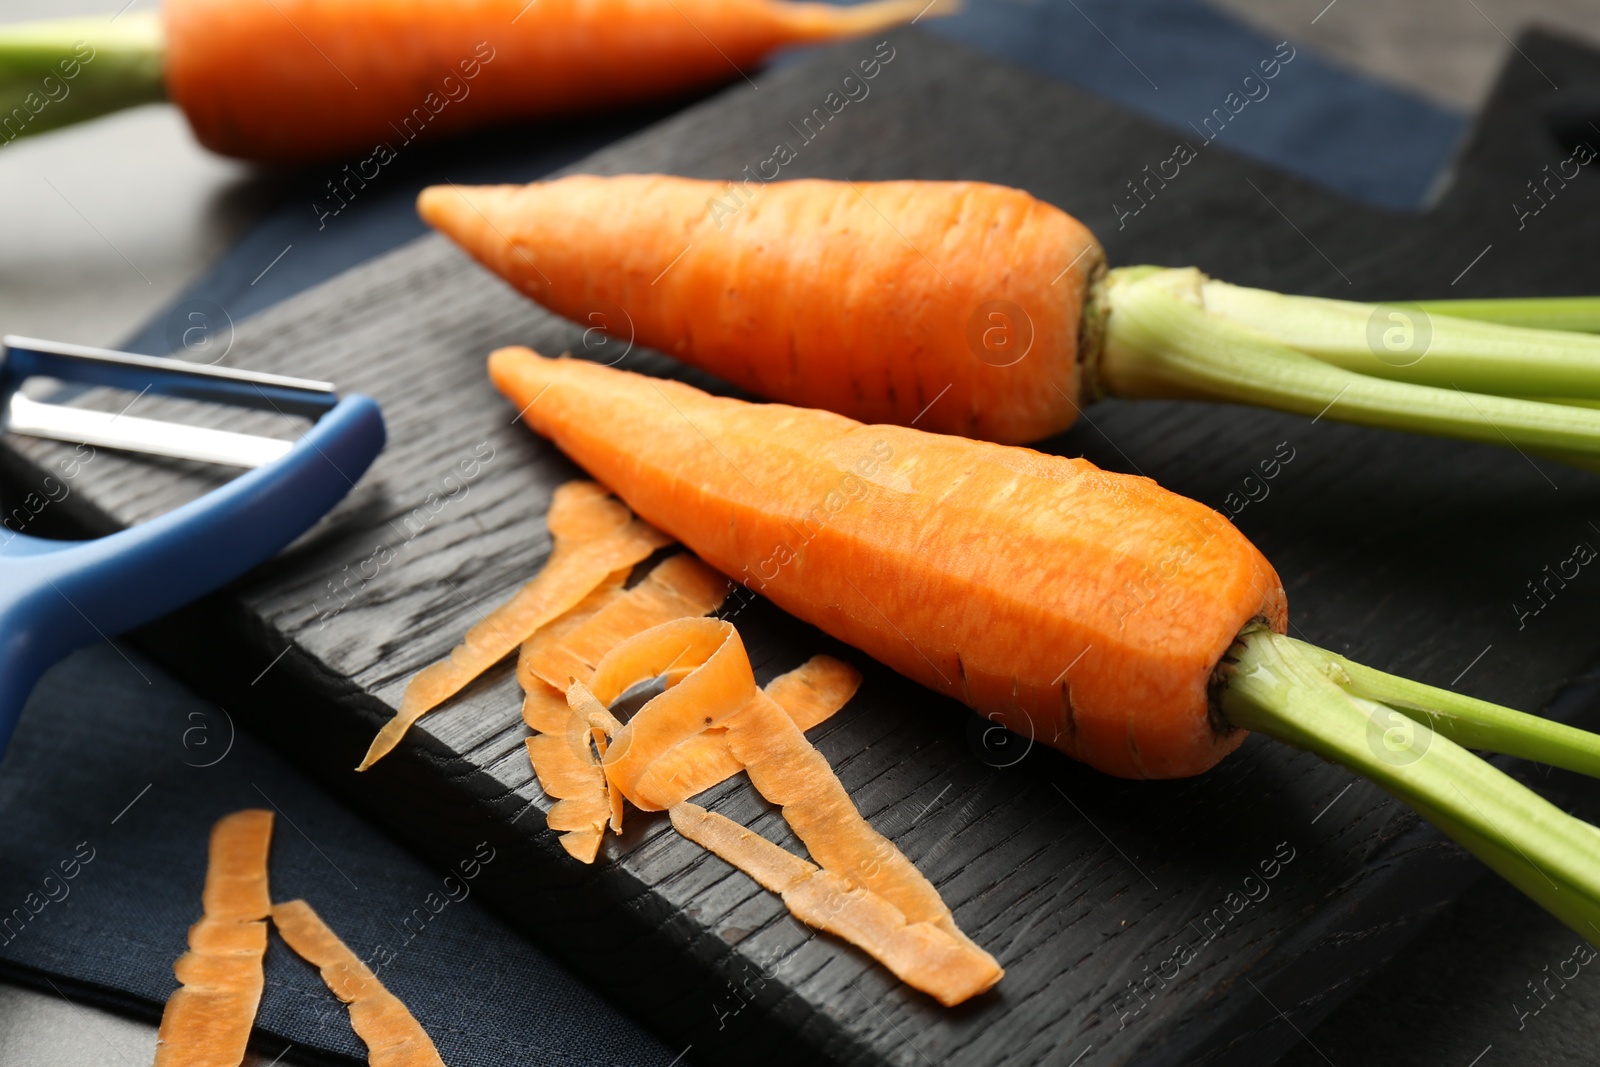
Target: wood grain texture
(1401, 551)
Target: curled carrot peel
(926, 956)
(719, 684)
(868, 876)
(809, 694)
(207, 1020)
(568, 770)
(678, 588)
(393, 1036)
(592, 543)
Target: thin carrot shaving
(575, 569)
(585, 511)
(568, 769)
(813, 691)
(549, 636)
(544, 709)
(207, 1020)
(924, 955)
(718, 683)
(786, 770)
(681, 587)
(602, 727)
(393, 1036)
(809, 694)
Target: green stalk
(1579, 314)
(62, 71)
(1470, 722)
(1283, 688)
(1160, 340)
(1404, 343)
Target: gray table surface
(106, 223)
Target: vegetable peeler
(56, 596)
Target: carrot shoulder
(293, 80)
(957, 305)
(1085, 609)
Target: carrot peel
(718, 685)
(809, 694)
(923, 955)
(393, 1036)
(590, 554)
(207, 1020)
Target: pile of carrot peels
(585, 638)
(208, 1018)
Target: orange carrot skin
(295, 80)
(956, 306)
(1081, 608)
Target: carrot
(887, 539)
(1121, 623)
(207, 1020)
(969, 308)
(392, 1035)
(287, 81)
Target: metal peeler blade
(27, 357)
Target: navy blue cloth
(107, 794)
(107, 776)
(1177, 61)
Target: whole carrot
(292, 80)
(970, 308)
(1130, 594)
(1121, 623)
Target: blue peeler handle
(56, 596)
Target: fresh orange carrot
(287, 81)
(804, 293)
(934, 554)
(969, 308)
(208, 1018)
(979, 568)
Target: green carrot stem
(1467, 721)
(1579, 314)
(1159, 341)
(1404, 343)
(62, 71)
(1282, 688)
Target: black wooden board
(1405, 552)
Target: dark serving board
(1405, 552)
